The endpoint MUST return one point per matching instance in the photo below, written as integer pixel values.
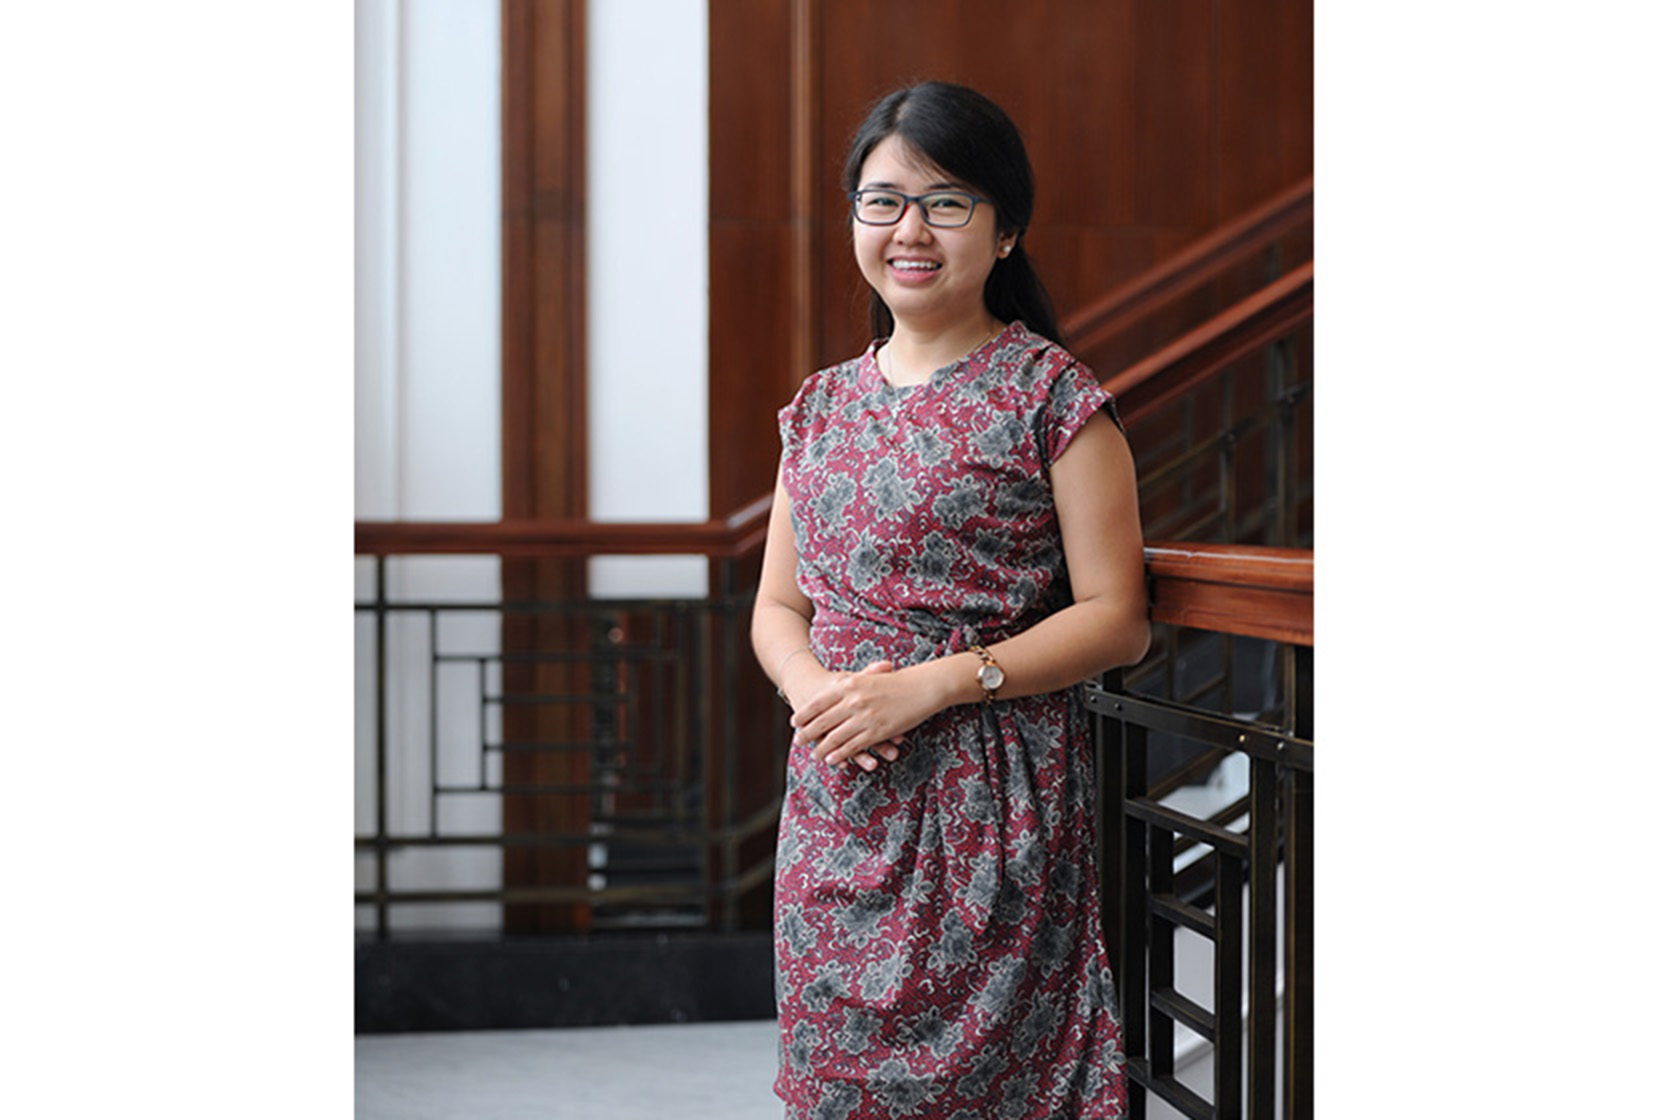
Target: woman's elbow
(1132, 642)
(1122, 635)
(1128, 634)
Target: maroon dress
(938, 946)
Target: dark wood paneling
(750, 79)
(544, 406)
(754, 241)
(1265, 88)
(1148, 124)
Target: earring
(1006, 249)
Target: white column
(428, 403)
(647, 280)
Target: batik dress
(937, 934)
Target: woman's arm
(1095, 488)
(781, 621)
(781, 625)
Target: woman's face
(929, 277)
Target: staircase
(1219, 417)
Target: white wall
(647, 280)
(428, 259)
(428, 399)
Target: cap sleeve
(797, 419)
(1075, 397)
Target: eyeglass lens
(884, 207)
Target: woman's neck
(911, 355)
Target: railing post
(1227, 986)
(1132, 945)
(1280, 363)
(434, 766)
(1158, 969)
(1262, 937)
(1272, 393)
(1227, 456)
(731, 744)
(1107, 744)
(381, 744)
(1298, 913)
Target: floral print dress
(937, 936)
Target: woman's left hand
(859, 711)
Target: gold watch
(990, 673)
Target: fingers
(822, 713)
(853, 744)
(838, 729)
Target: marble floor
(695, 1071)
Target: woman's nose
(911, 226)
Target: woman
(952, 549)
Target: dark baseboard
(458, 983)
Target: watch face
(991, 677)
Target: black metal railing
(1221, 424)
(1204, 757)
(1229, 862)
(644, 734)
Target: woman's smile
(913, 270)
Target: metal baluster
(483, 723)
(432, 723)
(381, 844)
(706, 685)
(1160, 950)
(1227, 457)
(731, 744)
(1298, 912)
(1227, 986)
(1262, 938)
(1132, 923)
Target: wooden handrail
(1235, 333)
(1253, 590)
(1258, 591)
(720, 539)
(1195, 264)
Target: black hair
(963, 132)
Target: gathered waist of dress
(844, 641)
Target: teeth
(917, 266)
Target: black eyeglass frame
(906, 199)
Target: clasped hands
(857, 717)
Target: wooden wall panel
(751, 243)
(1265, 88)
(545, 444)
(544, 402)
(1172, 117)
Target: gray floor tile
(694, 1071)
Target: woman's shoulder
(1052, 390)
(1037, 366)
(820, 393)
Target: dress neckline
(873, 378)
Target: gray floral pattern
(938, 946)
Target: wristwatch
(990, 673)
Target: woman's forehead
(896, 156)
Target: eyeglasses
(879, 206)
